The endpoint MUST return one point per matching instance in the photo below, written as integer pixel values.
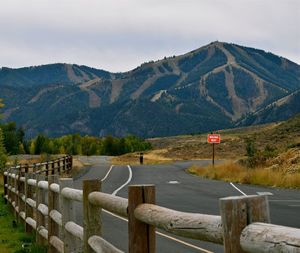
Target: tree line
(75, 144)
(13, 143)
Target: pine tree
(3, 156)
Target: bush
(251, 150)
(257, 158)
(270, 151)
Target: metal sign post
(213, 158)
(213, 139)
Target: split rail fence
(45, 203)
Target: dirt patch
(42, 92)
(116, 87)
(144, 86)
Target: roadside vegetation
(13, 239)
(76, 144)
(234, 172)
(271, 158)
(14, 143)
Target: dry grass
(77, 165)
(280, 135)
(20, 159)
(233, 172)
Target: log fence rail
(44, 202)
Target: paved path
(181, 191)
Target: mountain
(281, 109)
(216, 86)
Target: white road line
(115, 215)
(284, 200)
(159, 233)
(238, 189)
(164, 235)
(107, 173)
(265, 193)
(183, 242)
(126, 183)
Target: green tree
(39, 144)
(3, 157)
(108, 146)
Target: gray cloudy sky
(118, 35)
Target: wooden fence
(46, 204)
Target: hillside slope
(210, 88)
(282, 136)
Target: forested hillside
(216, 86)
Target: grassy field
(12, 236)
(234, 172)
(276, 161)
(282, 136)
(193, 147)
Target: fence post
(141, 235)
(64, 164)
(91, 214)
(68, 214)
(237, 213)
(15, 195)
(10, 181)
(58, 166)
(9, 185)
(28, 208)
(53, 204)
(5, 185)
(21, 189)
(70, 162)
(18, 194)
(47, 169)
(53, 168)
(40, 218)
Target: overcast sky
(119, 35)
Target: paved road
(181, 191)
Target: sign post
(213, 139)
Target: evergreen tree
(39, 144)
(3, 157)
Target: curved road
(181, 191)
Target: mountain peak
(206, 89)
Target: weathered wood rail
(45, 203)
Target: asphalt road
(181, 191)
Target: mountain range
(220, 85)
